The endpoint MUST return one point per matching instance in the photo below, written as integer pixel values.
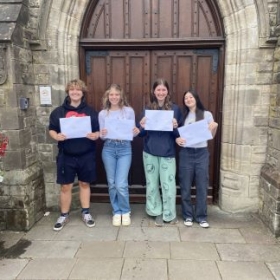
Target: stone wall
(270, 173)
(22, 192)
(39, 46)
(249, 53)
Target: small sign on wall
(45, 95)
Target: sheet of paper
(195, 133)
(160, 120)
(120, 129)
(75, 127)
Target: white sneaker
(204, 224)
(126, 220)
(188, 222)
(117, 220)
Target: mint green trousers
(160, 171)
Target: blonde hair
(105, 99)
(78, 84)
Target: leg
(202, 182)
(84, 194)
(153, 199)
(186, 174)
(124, 155)
(65, 197)
(168, 187)
(110, 164)
(85, 203)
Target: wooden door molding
(152, 19)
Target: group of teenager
(76, 156)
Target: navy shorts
(69, 166)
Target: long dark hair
(199, 110)
(153, 100)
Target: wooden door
(134, 42)
(135, 71)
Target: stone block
(261, 121)
(9, 13)
(17, 219)
(10, 119)
(14, 160)
(275, 134)
(3, 218)
(6, 202)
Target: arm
(213, 126)
(57, 136)
(94, 135)
(101, 120)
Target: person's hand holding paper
(195, 133)
(121, 129)
(159, 120)
(75, 127)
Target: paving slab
(193, 251)
(10, 269)
(244, 271)
(193, 270)
(236, 246)
(51, 249)
(260, 235)
(83, 233)
(99, 250)
(51, 269)
(275, 269)
(149, 234)
(138, 269)
(8, 239)
(41, 232)
(215, 235)
(105, 269)
(147, 250)
(249, 252)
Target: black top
(76, 146)
(161, 143)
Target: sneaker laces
(88, 217)
(61, 220)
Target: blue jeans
(194, 168)
(116, 156)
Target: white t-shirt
(191, 119)
(124, 113)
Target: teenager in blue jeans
(117, 154)
(159, 159)
(194, 163)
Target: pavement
(236, 246)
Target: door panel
(136, 71)
(131, 71)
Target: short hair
(78, 84)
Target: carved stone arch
(243, 93)
(65, 17)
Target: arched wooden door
(134, 42)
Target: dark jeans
(194, 168)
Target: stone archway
(246, 93)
